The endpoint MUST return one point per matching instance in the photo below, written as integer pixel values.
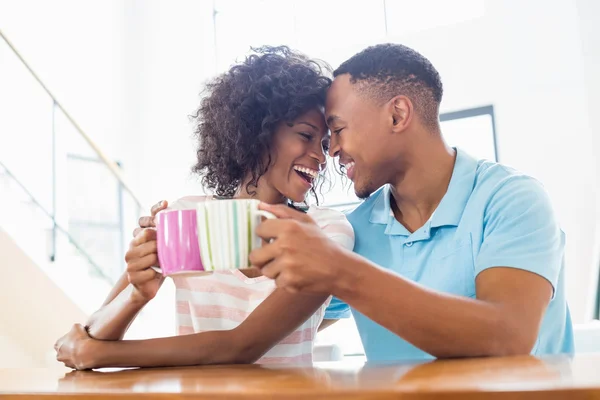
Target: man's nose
(334, 146)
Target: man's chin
(363, 194)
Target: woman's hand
(149, 221)
(76, 349)
(140, 258)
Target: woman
(262, 135)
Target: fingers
(161, 205)
(271, 269)
(70, 342)
(142, 255)
(275, 228)
(80, 329)
(140, 251)
(276, 271)
(144, 236)
(141, 277)
(148, 221)
(142, 263)
(260, 257)
(283, 211)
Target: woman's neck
(265, 194)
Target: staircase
(66, 216)
(50, 247)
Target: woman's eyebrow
(306, 123)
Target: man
(454, 256)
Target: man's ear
(401, 111)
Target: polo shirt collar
(450, 209)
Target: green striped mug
(227, 232)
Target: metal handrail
(112, 166)
(39, 205)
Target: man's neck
(419, 189)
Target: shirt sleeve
(521, 231)
(337, 309)
(187, 202)
(337, 228)
(334, 224)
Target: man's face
(359, 133)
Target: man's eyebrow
(332, 118)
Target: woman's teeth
(310, 173)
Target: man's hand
(150, 221)
(75, 349)
(300, 257)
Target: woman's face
(298, 155)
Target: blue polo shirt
(491, 216)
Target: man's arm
(271, 322)
(516, 268)
(504, 319)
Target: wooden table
(493, 378)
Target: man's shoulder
(493, 180)
(494, 172)
(501, 193)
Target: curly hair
(240, 110)
(387, 70)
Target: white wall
(168, 54)
(589, 16)
(533, 74)
(13, 356)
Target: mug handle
(157, 269)
(265, 214)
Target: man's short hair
(388, 70)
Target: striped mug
(227, 232)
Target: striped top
(223, 299)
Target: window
(473, 130)
(596, 305)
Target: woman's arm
(271, 322)
(124, 302)
(117, 313)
